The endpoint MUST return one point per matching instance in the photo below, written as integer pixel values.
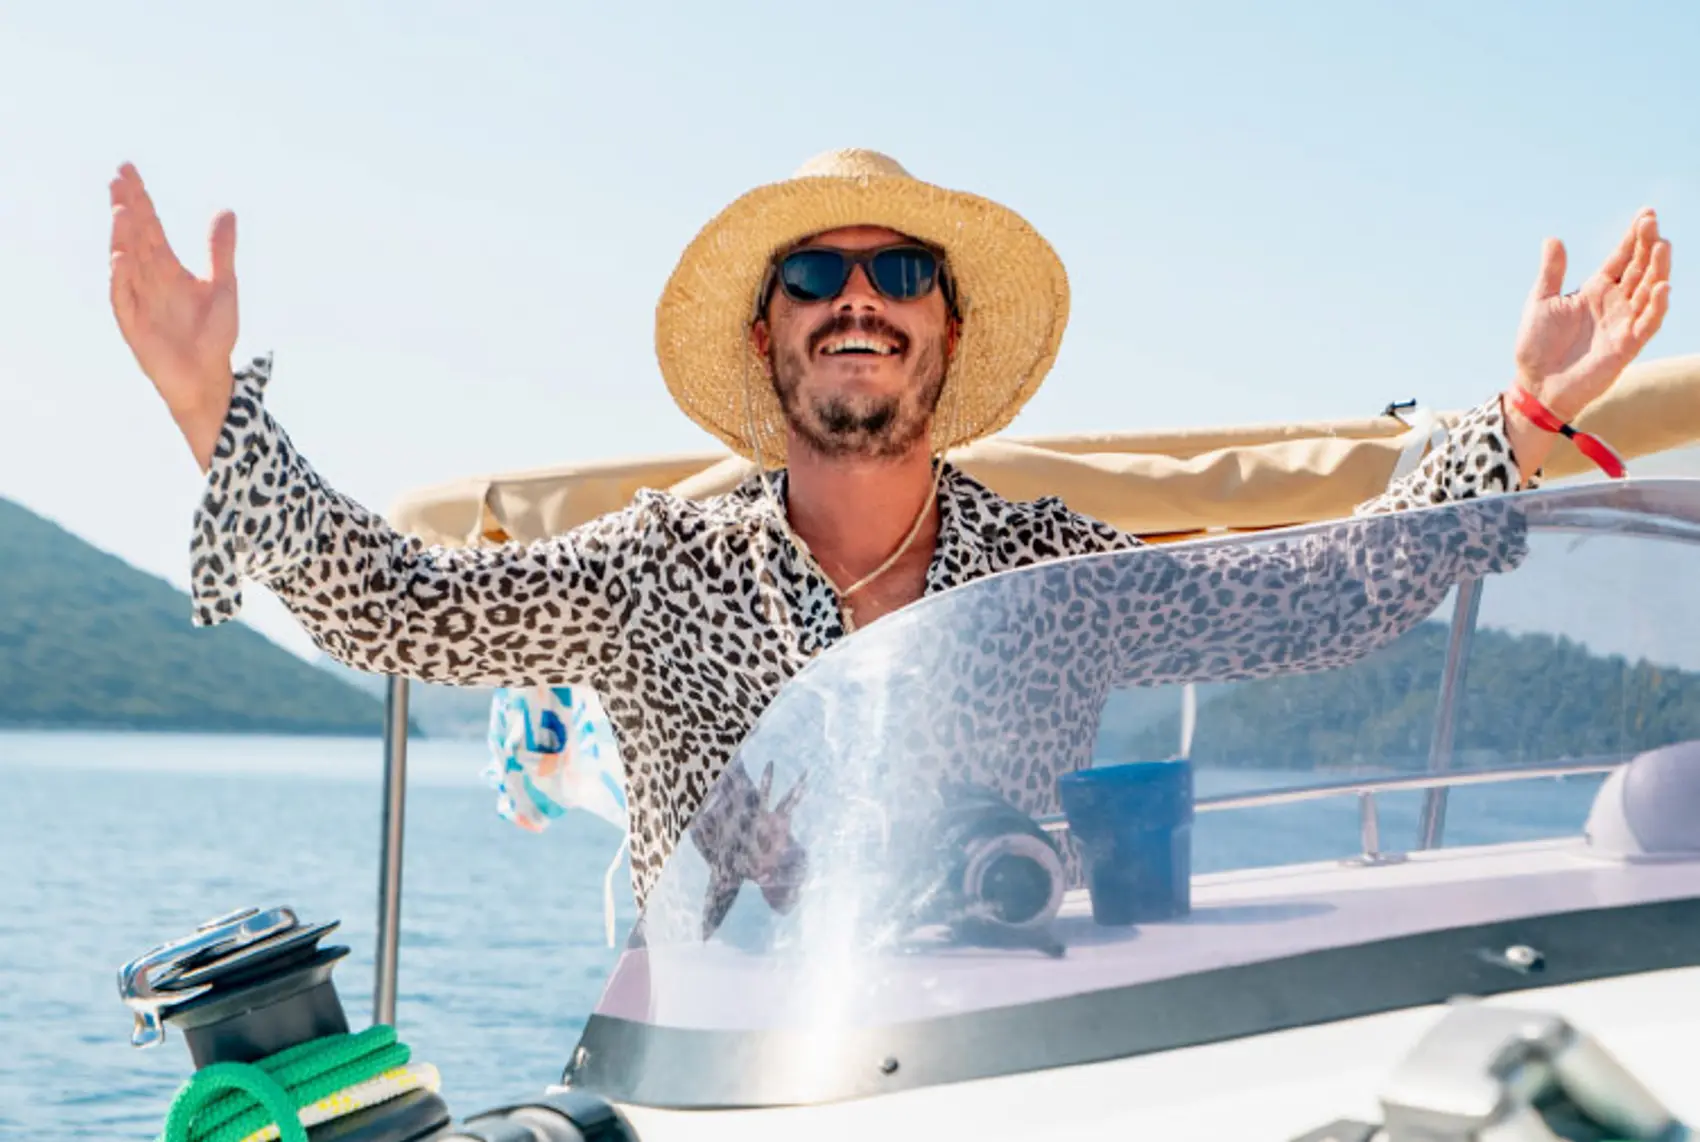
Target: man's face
(859, 374)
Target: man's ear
(953, 334)
(761, 339)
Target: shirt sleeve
(544, 613)
(1327, 596)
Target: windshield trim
(690, 1069)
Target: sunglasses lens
(905, 273)
(813, 275)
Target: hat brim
(1012, 292)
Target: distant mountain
(89, 642)
(1527, 697)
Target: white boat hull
(1276, 1086)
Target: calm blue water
(110, 844)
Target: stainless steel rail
(1373, 785)
(1466, 608)
(1366, 788)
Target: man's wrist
(201, 424)
(1530, 446)
(1541, 390)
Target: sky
(454, 220)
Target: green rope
(226, 1102)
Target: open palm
(1572, 347)
(181, 328)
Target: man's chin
(840, 441)
(861, 390)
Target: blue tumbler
(1133, 825)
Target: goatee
(878, 428)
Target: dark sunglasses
(903, 272)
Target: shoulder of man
(1021, 532)
(654, 511)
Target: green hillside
(89, 642)
(1526, 698)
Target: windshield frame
(685, 1068)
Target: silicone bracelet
(1586, 443)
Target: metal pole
(389, 860)
(1369, 827)
(1464, 611)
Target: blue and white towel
(551, 750)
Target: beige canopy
(1156, 484)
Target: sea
(112, 843)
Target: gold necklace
(844, 594)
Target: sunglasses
(904, 272)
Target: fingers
(136, 224)
(222, 243)
(123, 270)
(123, 218)
(1619, 259)
(1550, 281)
(1646, 238)
(123, 289)
(1657, 272)
(1651, 299)
(1648, 322)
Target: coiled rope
(278, 1097)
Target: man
(843, 326)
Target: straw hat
(1012, 292)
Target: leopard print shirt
(687, 617)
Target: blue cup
(1133, 826)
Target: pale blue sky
(455, 219)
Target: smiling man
(843, 328)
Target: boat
(1207, 933)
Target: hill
(1527, 697)
(89, 642)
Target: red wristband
(1586, 443)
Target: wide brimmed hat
(1012, 293)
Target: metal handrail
(1365, 788)
(1373, 785)
(1466, 609)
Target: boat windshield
(1144, 800)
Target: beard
(865, 427)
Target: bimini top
(1155, 484)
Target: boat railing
(1366, 789)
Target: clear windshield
(1115, 771)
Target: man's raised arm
(1329, 597)
(372, 598)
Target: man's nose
(859, 295)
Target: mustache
(870, 324)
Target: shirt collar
(962, 552)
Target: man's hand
(181, 328)
(1572, 347)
